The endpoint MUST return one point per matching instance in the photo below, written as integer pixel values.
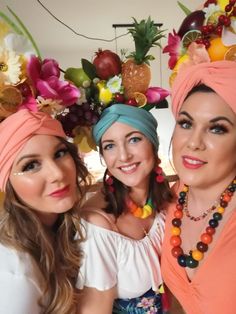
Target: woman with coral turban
(120, 272)
(39, 256)
(198, 254)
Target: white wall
(94, 19)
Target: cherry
(228, 8)
(118, 97)
(131, 102)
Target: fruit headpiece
(205, 35)
(110, 79)
(26, 80)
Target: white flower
(19, 43)
(114, 84)
(52, 106)
(10, 67)
(82, 99)
(210, 10)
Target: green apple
(77, 76)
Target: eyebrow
(211, 121)
(36, 155)
(127, 135)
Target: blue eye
(218, 129)
(108, 146)
(61, 152)
(135, 139)
(185, 124)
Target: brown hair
(55, 252)
(160, 193)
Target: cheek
(25, 188)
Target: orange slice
(231, 54)
(140, 98)
(10, 99)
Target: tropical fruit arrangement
(77, 100)
(108, 80)
(205, 35)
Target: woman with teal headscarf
(124, 222)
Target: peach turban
(218, 75)
(16, 130)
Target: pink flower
(45, 77)
(156, 94)
(173, 48)
(29, 103)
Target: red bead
(178, 214)
(210, 230)
(175, 241)
(176, 251)
(206, 238)
(179, 206)
(226, 198)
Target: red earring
(109, 181)
(159, 174)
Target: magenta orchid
(156, 94)
(45, 77)
(173, 48)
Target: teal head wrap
(138, 118)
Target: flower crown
(205, 35)
(27, 81)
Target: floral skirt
(148, 303)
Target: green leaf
(10, 23)
(184, 8)
(89, 68)
(26, 32)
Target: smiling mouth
(129, 168)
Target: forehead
(211, 105)
(38, 144)
(117, 130)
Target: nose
(124, 153)
(196, 140)
(54, 171)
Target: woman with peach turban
(198, 254)
(39, 256)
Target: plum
(193, 21)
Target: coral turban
(16, 130)
(218, 75)
(138, 118)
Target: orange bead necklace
(192, 259)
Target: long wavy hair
(56, 252)
(160, 193)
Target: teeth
(193, 162)
(128, 168)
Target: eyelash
(31, 165)
(134, 139)
(187, 124)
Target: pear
(77, 76)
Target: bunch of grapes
(79, 115)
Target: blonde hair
(56, 252)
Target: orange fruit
(217, 49)
(231, 54)
(140, 98)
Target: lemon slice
(140, 99)
(190, 37)
(230, 54)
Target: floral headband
(26, 80)
(205, 35)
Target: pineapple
(136, 73)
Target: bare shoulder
(93, 213)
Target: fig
(193, 21)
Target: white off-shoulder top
(111, 258)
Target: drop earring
(109, 181)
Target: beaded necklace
(137, 211)
(192, 259)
